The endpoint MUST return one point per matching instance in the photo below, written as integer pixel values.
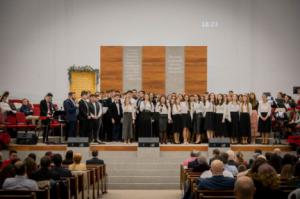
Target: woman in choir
(198, 111)
(254, 117)
(128, 120)
(203, 131)
(209, 108)
(163, 108)
(146, 110)
(264, 122)
(234, 115)
(186, 119)
(171, 101)
(176, 118)
(221, 112)
(245, 123)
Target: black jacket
(44, 108)
(96, 161)
(84, 111)
(114, 112)
(60, 172)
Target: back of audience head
(289, 159)
(32, 156)
(231, 155)
(20, 168)
(277, 151)
(224, 157)
(267, 176)
(275, 162)
(216, 152)
(268, 155)
(30, 166)
(256, 164)
(69, 155)
(241, 168)
(195, 154)
(287, 172)
(244, 188)
(57, 159)
(217, 168)
(77, 158)
(95, 153)
(45, 162)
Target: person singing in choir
(47, 110)
(177, 123)
(128, 120)
(234, 118)
(264, 121)
(95, 109)
(209, 108)
(146, 110)
(220, 129)
(163, 108)
(84, 116)
(245, 124)
(71, 111)
(116, 114)
(198, 111)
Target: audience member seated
(267, 183)
(199, 165)
(32, 155)
(244, 188)
(13, 156)
(257, 152)
(240, 159)
(231, 158)
(289, 159)
(26, 108)
(68, 158)
(276, 162)
(253, 170)
(30, 165)
(44, 172)
(77, 165)
(58, 171)
(95, 159)
(218, 180)
(287, 172)
(216, 156)
(232, 168)
(20, 181)
(193, 156)
(5, 107)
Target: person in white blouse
(146, 110)
(4, 105)
(221, 112)
(128, 120)
(209, 110)
(234, 117)
(264, 121)
(245, 123)
(164, 110)
(177, 123)
(185, 118)
(197, 107)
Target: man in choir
(71, 109)
(116, 114)
(95, 109)
(106, 102)
(47, 110)
(84, 115)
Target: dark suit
(107, 124)
(84, 121)
(60, 172)
(117, 116)
(71, 117)
(95, 123)
(42, 174)
(198, 167)
(46, 110)
(95, 160)
(216, 182)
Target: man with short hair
(20, 181)
(84, 115)
(244, 188)
(58, 171)
(71, 111)
(47, 110)
(218, 180)
(95, 159)
(44, 172)
(13, 156)
(95, 109)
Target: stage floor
(119, 146)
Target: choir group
(175, 118)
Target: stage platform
(118, 146)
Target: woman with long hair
(163, 108)
(234, 118)
(177, 123)
(254, 117)
(128, 120)
(198, 111)
(146, 109)
(220, 129)
(264, 122)
(185, 118)
(209, 108)
(245, 124)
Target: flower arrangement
(86, 68)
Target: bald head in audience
(244, 188)
(217, 168)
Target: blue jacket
(71, 111)
(216, 182)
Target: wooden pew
(215, 193)
(30, 196)
(101, 177)
(93, 184)
(63, 189)
(74, 187)
(44, 194)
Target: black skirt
(220, 128)
(245, 125)
(210, 121)
(163, 123)
(186, 120)
(234, 127)
(145, 124)
(177, 123)
(197, 122)
(264, 126)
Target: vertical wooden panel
(195, 69)
(111, 67)
(153, 69)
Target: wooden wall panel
(153, 69)
(195, 69)
(111, 76)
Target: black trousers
(95, 124)
(46, 129)
(71, 128)
(84, 128)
